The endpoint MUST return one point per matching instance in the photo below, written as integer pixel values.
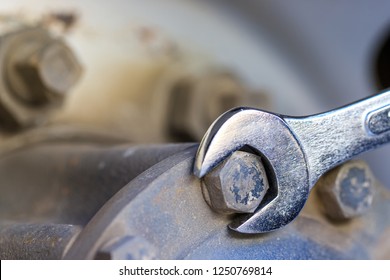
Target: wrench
(296, 151)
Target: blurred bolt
(48, 72)
(237, 185)
(127, 248)
(222, 91)
(37, 70)
(197, 100)
(347, 191)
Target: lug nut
(237, 185)
(347, 191)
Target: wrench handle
(333, 137)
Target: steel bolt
(237, 185)
(127, 248)
(46, 73)
(37, 70)
(196, 100)
(347, 191)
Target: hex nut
(127, 248)
(37, 70)
(347, 191)
(237, 185)
(197, 100)
(194, 99)
(56, 69)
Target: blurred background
(162, 70)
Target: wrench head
(269, 136)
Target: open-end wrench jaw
(211, 153)
(297, 150)
(269, 136)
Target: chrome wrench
(297, 150)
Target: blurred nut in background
(198, 98)
(347, 191)
(37, 71)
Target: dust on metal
(299, 151)
(238, 185)
(347, 191)
(127, 248)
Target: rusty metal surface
(181, 224)
(162, 211)
(35, 241)
(237, 185)
(68, 183)
(348, 190)
(127, 247)
(165, 207)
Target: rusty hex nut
(347, 191)
(55, 71)
(37, 70)
(42, 71)
(195, 100)
(237, 185)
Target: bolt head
(37, 70)
(51, 71)
(57, 68)
(237, 185)
(347, 191)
